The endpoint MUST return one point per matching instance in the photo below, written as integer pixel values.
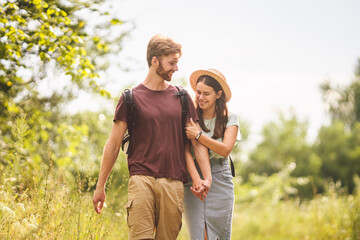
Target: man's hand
(197, 188)
(197, 183)
(202, 191)
(99, 199)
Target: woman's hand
(192, 131)
(201, 192)
(196, 188)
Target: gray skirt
(217, 209)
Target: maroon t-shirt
(157, 143)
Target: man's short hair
(160, 45)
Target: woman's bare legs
(205, 234)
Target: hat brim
(195, 76)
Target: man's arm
(202, 158)
(110, 153)
(197, 182)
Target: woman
(212, 217)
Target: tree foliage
(343, 102)
(36, 33)
(53, 41)
(338, 148)
(283, 142)
(333, 156)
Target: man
(156, 161)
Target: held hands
(200, 188)
(192, 131)
(99, 200)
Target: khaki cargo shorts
(154, 207)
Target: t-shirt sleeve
(233, 120)
(120, 112)
(192, 111)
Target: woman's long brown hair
(221, 109)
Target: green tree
(335, 154)
(283, 142)
(39, 40)
(343, 102)
(338, 148)
(35, 32)
(338, 144)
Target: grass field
(58, 208)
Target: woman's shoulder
(233, 119)
(232, 115)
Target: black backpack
(131, 115)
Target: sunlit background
(274, 54)
(294, 70)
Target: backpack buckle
(179, 93)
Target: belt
(223, 161)
(218, 161)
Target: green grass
(59, 208)
(325, 217)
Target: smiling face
(206, 96)
(167, 66)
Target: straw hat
(218, 76)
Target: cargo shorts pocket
(181, 209)
(128, 207)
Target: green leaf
(82, 51)
(104, 93)
(12, 6)
(116, 21)
(71, 73)
(63, 13)
(67, 21)
(44, 16)
(52, 49)
(30, 46)
(50, 11)
(3, 20)
(44, 56)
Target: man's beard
(162, 73)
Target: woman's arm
(223, 148)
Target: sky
(273, 53)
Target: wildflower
(21, 207)
(17, 225)
(31, 227)
(302, 181)
(7, 211)
(12, 179)
(19, 229)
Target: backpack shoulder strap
(184, 106)
(131, 116)
(129, 101)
